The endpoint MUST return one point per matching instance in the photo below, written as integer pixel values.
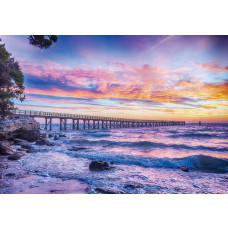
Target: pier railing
(77, 116)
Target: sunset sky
(146, 77)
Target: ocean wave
(196, 162)
(146, 145)
(193, 135)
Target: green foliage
(42, 41)
(11, 82)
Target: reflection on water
(147, 158)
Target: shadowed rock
(6, 148)
(16, 156)
(42, 142)
(99, 166)
(30, 136)
(107, 191)
(133, 185)
(74, 148)
(184, 168)
(26, 146)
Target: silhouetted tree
(42, 41)
(11, 77)
(11, 82)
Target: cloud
(213, 66)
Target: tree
(42, 41)
(11, 77)
(11, 82)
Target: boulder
(30, 136)
(10, 175)
(107, 191)
(19, 141)
(50, 135)
(26, 146)
(42, 142)
(184, 168)
(6, 148)
(32, 150)
(16, 155)
(56, 137)
(62, 135)
(13, 123)
(99, 166)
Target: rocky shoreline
(17, 136)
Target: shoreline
(15, 180)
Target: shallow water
(145, 157)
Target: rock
(19, 141)
(6, 149)
(30, 136)
(133, 185)
(99, 166)
(56, 137)
(42, 142)
(1, 176)
(11, 175)
(9, 127)
(184, 168)
(21, 149)
(32, 150)
(50, 135)
(62, 135)
(107, 191)
(74, 148)
(26, 146)
(3, 166)
(44, 136)
(16, 156)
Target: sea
(144, 160)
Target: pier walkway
(93, 122)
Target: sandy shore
(15, 180)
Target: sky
(140, 77)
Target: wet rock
(42, 142)
(184, 168)
(26, 146)
(21, 149)
(133, 185)
(107, 191)
(30, 136)
(44, 136)
(62, 135)
(50, 135)
(56, 137)
(19, 141)
(16, 156)
(99, 166)
(74, 148)
(32, 150)
(10, 175)
(6, 148)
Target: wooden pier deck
(93, 122)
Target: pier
(93, 122)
